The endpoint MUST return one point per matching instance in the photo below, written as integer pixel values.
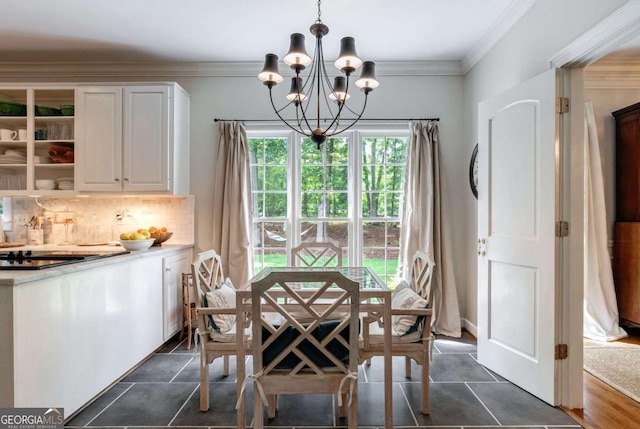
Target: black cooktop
(37, 260)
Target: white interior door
(516, 219)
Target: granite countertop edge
(17, 277)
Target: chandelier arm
(304, 107)
(336, 120)
(364, 106)
(300, 131)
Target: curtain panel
(425, 224)
(232, 216)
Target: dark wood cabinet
(628, 163)
(626, 253)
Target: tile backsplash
(95, 217)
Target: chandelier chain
(319, 12)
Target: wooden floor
(605, 407)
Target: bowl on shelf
(67, 109)
(47, 111)
(9, 108)
(61, 154)
(45, 184)
(160, 237)
(133, 245)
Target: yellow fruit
(144, 232)
(136, 236)
(124, 236)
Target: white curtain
(232, 216)
(425, 224)
(600, 306)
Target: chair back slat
(206, 271)
(316, 254)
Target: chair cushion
(405, 297)
(310, 350)
(223, 296)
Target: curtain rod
(329, 119)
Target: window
(348, 192)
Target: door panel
(516, 220)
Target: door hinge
(562, 351)
(562, 228)
(562, 105)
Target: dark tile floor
(163, 392)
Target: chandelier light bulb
(297, 58)
(295, 92)
(270, 74)
(367, 80)
(339, 90)
(348, 60)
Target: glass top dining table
(365, 276)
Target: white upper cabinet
(132, 139)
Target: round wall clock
(473, 172)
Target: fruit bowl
(160, 237)
(133, 245)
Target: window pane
(275, 205)
(397, 150)
(276, 151)
(276, 178)
(395, 177)
(257, 178)
(373, 150)
(337, 151)
(373, 204)
(310, 204)
(393, 204)
(256, 148)
(338, 204)
(310, 152)
(258, 204)
(312, 178)
(270, 245)
(337, 178)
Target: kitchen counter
(17, 277)
(69, 332)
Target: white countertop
(16, 277)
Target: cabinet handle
(126, 180)
(117, 180)
(168, 269)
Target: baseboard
(469, 327)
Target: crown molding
(616, 29)
(27, 71)
(499, 28)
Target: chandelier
(318, 92)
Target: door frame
(607, 36)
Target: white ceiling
(245, 30)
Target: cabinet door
(146, 138)
(173, 267)
(99, 139)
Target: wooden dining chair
(411, 310)
(316, 254)
(217, 327)
(290, 357)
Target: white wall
(524, 52)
